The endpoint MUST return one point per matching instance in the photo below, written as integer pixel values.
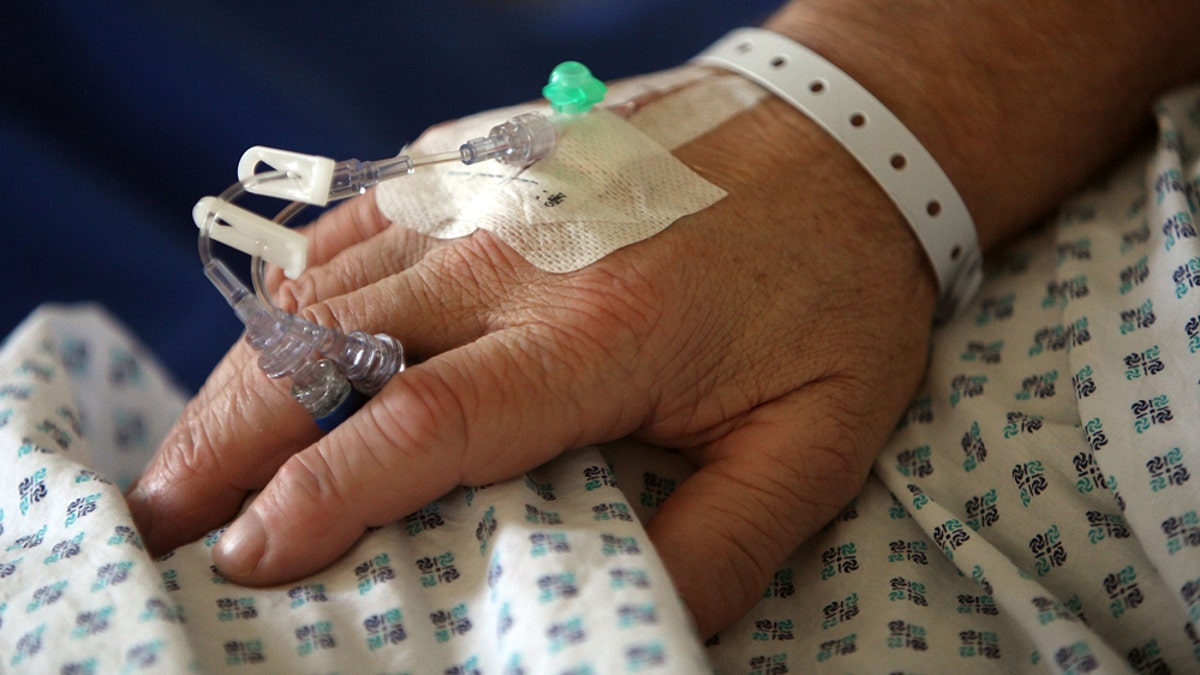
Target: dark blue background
(116, 117)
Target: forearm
(1018, 101)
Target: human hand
(774, 338)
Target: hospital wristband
(877, 139)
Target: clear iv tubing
(521, 139)
(351, 177)
(321, 362)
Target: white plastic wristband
(879, 141)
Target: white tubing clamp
(880, 142)
(252, 234)
(309, 176)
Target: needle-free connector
(368, 361)
(322, 362)
(317, 384)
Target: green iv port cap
(572, 89)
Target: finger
(230, 439)
(759, 492)
(486, 412)
(349, 224)
(359, 265)
(239, 429)
(242, 426)
(455, 295)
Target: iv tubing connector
(523, 139)
(354, 177)
(368, 361)
(320, 388)
(283, 351)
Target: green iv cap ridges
(572, 89)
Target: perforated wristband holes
(803, 77)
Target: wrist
(885, 148)
(783, 170)
(1019, 102)
(919, 76)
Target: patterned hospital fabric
(1037, 509)
(532, 575)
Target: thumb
(759, 492)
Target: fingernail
(241, 547)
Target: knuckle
(764, 508)
(750, 562)
(478, 271)
(193, 449)
(848, 429)
(370, 310)
(419, 414)
(296, 294)
(307, 479)
(322, 314)
(184, 455)
(327, 281)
